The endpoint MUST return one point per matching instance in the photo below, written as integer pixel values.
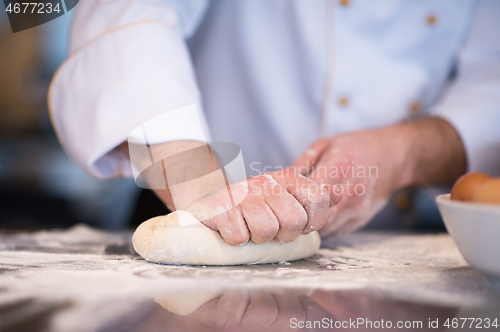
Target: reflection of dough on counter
(185, 302)
(179, 238)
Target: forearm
(433, 152)
(185, 170)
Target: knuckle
(320, 202)
(289, 172)
(318, 196)
(324, 191)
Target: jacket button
(415, 108)
(343, 101)
(402, 200)
(432, 19)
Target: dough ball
(179, 238)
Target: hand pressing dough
(179, 238)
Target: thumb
(336, 193)
(305, 163)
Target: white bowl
(476, 231)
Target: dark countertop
(87, 280)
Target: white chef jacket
(275, 75)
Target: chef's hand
(370, 165)
(279, 205)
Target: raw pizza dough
(179, 238)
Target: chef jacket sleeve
(128, 63)
(472, 102)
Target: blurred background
(40, 187)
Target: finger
(342, 304)
(336, 193)
(334, 303)
(231, 226)
(313, 311)
(261, 311)
(210, 206)
(230, 309)
(205, 313)
(216, 211)
(288, 307)
(320, 175)
(314, 197)
(305, 163)
(224, 313)
(332, 167)
(259, 218)
(290, 214)
(275, 184)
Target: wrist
(429, 152)
(186, 170)
(401, 140)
